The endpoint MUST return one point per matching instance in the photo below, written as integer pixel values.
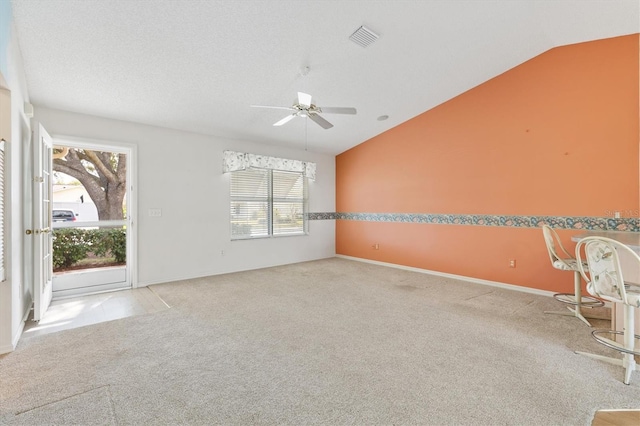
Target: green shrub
(118, 246)
(72, 245)
(109, 242)
(69, 246)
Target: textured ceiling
(198, 65)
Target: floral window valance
(234, 161)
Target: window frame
(271, 202)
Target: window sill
(264, 237)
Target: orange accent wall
(555, 136)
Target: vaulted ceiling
(199, 65)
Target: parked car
(63, 215)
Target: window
(267, 202)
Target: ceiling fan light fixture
(304, 99)
(363, 36)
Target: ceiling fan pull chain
(306, 120)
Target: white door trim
(132, 181)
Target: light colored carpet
(329, 342)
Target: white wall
(181, 173)
(15, 293)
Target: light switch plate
(155, 212)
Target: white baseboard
(375, 262)
(14, 342)
(202, 274)
(185, 277)
(456, 277)
(18, 335)
(6, 349)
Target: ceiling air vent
(363, 36)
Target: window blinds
(250, 213)
(288, 203)
(267, 202)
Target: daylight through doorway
(90, 219)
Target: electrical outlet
(221, 252)
(376, 246)
(512, 263)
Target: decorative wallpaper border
(321, 216)
(561, 222)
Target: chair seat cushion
(633, 294)
(608, 288)
(566, 264)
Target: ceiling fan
(303, 107)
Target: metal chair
(568, 263)
(605, 280)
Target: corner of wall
(14, 298)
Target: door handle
(28, 232)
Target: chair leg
(629, 364)
(577, 285)
(577, 290)
(577, 302)
(627, 361)
(629, 342)
(607, 359)
(572, 313)
(579, 315)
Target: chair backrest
(604, 278)
(551, 239)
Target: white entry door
(41, 227)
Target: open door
(91, 225)
(41, 230)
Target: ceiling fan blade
(284, 120)
(337, 110)
(272, 107)
(321, 121)
(304, 99)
